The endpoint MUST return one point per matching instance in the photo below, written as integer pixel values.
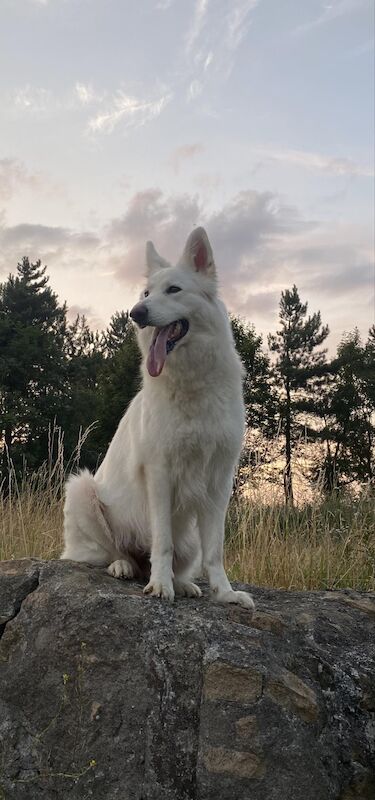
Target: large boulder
(107, 694)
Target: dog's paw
(241, 598)
(121, 569)
(163, 589)
(187, 589)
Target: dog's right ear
(153, 260)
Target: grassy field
(319, 545)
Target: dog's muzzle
(139, 314)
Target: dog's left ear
(153, 260)
(198, 253)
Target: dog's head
(176, 301)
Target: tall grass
(31, 507)
(320, 544)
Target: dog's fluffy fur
(164, 485)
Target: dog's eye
(146, 293)
(173, 289)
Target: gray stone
(110, 695)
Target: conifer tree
(115, 335)
(259, 391)
(32, 376)
(299, 364)
(120, 378)
(347, 408)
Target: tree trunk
(6, 456)
(369, 453)
(288, 481)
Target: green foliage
(120, 377)
(347, 408)
(32, 364)
(56, 374)
(259, 390)
(298, 368)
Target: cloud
(261, 244)
(238, 22)
(197, 25)
(52, 244)
(195, 88)
(86, 94)
(41, 236)
(92, 318)
(333, 11)
(216, 31)
(184, 153)
(106, 110)
(316, 162)
(30, 98)
(130, 111)
(151, 215)
(14, 176)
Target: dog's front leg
(159, 506)
(212, 528)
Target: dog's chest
(199, 456)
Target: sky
(124, 121)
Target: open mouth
(163, 342)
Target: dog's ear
(198, 253)
(153, 260)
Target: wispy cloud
(197, 25)
(129, 110)
(333, 11)
(86, 94)
(14, 176)
(31, 98)
(316, 162)
(238, 22)
(215, 33)
(185, 153)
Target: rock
(110, 695)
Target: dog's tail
(87, 535)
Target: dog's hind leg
(87, 536)
(124, 567)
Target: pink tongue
(158, 352)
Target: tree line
(60, 374)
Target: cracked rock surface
(110, 695)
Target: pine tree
(299, 364)
(347, 408)
(259, 392)
(260, 402)
(120, 377)
(82, 408)
(115, 335)
(32, 376)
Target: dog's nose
(140, 314)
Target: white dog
(165, 483)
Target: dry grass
(319, 545)
(322, 545)
(31, 518)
